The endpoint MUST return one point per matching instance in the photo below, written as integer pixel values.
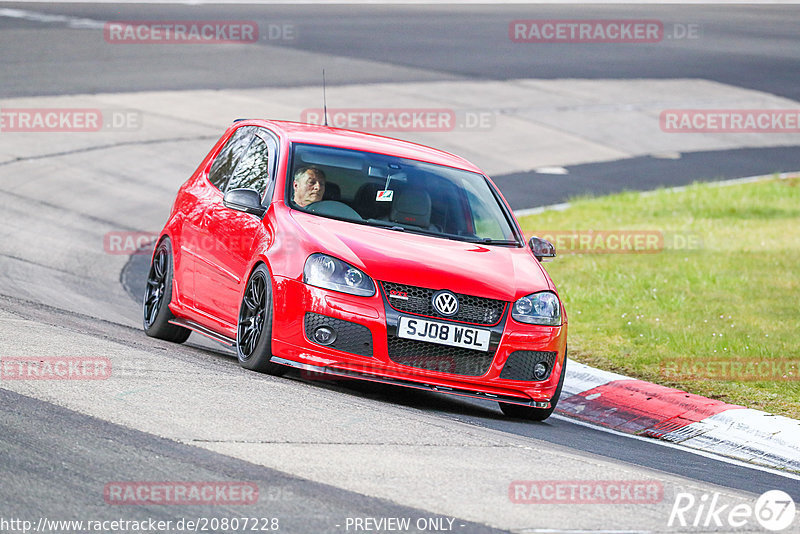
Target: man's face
(309, 188)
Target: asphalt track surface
(644, 173)
(746, 46)
(754, 47)
(111, 452)
(57, 466)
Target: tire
(536, 414)
(254, 329)
(157, 296)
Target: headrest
(332, 192)
(412, 207)
(366, 204)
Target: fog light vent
(529, 365)
(540, 371)
(325, 335)
(338, 334)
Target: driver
(309, 186)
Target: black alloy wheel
(254, 331)
(157, 296)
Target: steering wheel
(334, 208)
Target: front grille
(350, 337)
(440, 358)
(476, 310)
(519, 365)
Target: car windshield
(397, 193)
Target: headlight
(326, 271)
(538, 308)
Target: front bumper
(366, 348)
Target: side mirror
(246, 200)
(542, 248)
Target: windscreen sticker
(385, 196)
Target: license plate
(454, 335)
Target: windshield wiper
(423, 231)
(490, 241)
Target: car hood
(498, 272)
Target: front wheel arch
(254, 323)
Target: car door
(232, 235)
(195, 239)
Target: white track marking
(704, 454)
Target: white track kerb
(749, 435)
(737, 432)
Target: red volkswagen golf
(361, 256)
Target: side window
(252, 170)
(226, 160)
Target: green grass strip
(696, 289)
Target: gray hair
(302, 170)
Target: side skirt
(200, 329)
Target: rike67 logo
(773, 511)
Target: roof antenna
(324, 99)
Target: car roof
(299, 132)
